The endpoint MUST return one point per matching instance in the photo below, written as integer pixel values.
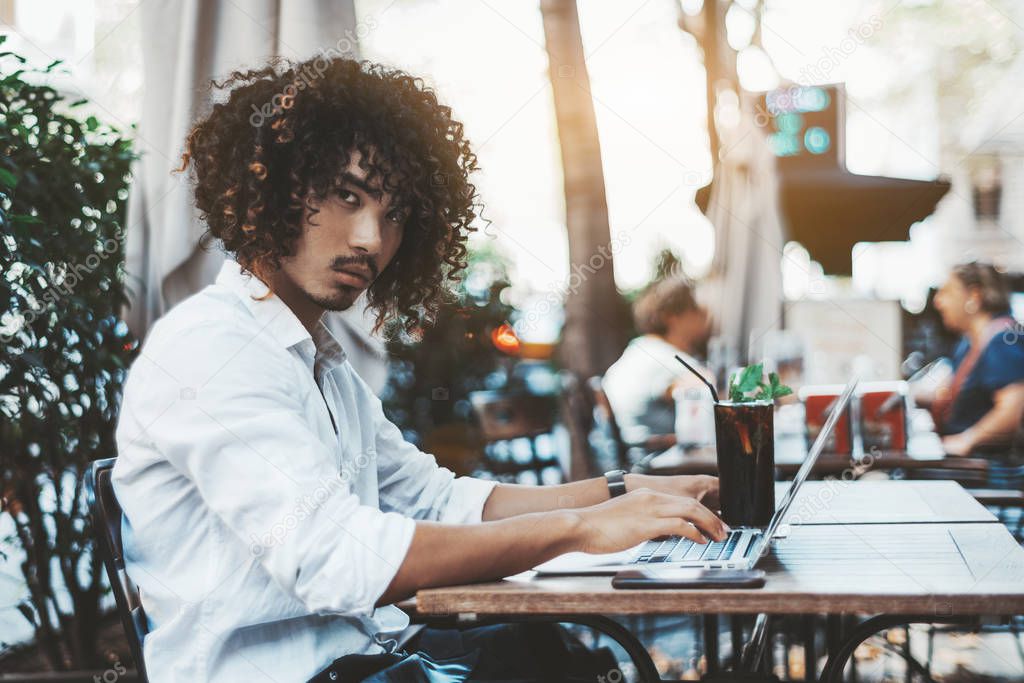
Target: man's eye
(397, 217)
(348, 197)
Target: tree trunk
(594, 334)
(595, 315)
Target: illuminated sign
(804, 124)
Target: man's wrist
(571, 531)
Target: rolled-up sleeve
(412, 483)
(228, 421)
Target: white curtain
(744, 288)
(187, 43)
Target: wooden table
(941, 569)
(882, 502)
(944, 560)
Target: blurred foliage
(63, 190)
(431, 377)
(667, 264)
(971, 46)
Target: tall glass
(745, 433)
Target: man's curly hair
(282, 139)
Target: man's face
(694, 325)
(346, 245)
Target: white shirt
(636, 384)
(263, 518)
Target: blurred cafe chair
(518, 433)
(605, 429)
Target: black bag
(512, 653)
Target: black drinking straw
(702, 378)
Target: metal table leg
(810, 656)
(736, 631)
(711, 643)
(833, 672)
(753, 653)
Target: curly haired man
(273, 515)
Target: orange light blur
(505, 339)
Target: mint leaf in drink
(735, 395)
(778, 389)
(751, 379)
(764, 392)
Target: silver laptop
(742, 549)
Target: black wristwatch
(616, 482)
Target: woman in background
(979, 408)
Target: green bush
(431, 376)
(63, 349)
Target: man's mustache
(342, 262)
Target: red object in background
(818, 404)
(883, 418)
(505, 339)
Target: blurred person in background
(640, 383)
(979, 407)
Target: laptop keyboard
(680, 549)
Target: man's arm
(442, 554)
(411, 483)
(997, 426)
(510, 500)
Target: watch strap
(616, 482)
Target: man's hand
(577, 516)
(701, 487)
(643, 514)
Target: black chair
(629, 455)
(517, 430)
(105, 513)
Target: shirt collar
(274, 316)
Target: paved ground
(960, 657)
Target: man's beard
(341, 300)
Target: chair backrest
(508, 420)
(504, 416)
(605, 420)
(105, 513)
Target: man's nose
(366, 234)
